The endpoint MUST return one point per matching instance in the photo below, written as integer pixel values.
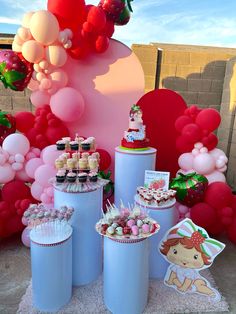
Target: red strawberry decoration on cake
(15, 73)
(198, 237)
(117, 10)
(7, 125)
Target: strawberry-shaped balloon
(117, 11)
(15, 73)
(7, 125)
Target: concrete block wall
(12, 102)
(227, 129)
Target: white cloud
(8, 20)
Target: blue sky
(199, 22)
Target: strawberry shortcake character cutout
(189, 249)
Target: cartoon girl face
(185, 257)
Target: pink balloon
(204, 164)
(216, 153)
(56, 55)
(7, 174)
(25, 236)
(216, 176)
(39, 98)
(183, 209)
(186, 161)
(19, 158)
(36, 151)
(22, 176)
(48, 30)
(46, 199)
(32, 165)
(17, 166)
(50, 154)
(24, 221)
(36, 190)
(67, 104)
(43, 174)
(33, 51)
(50, 191)
(16, 144)
(3, 159)
(24, 34)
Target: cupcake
(85, 155)
(74, 145)
(70, 163)
(82, 177)
(96, 155)
(83, 164)
(76, 156)
(71, 177)
(91, 140)
(61, 145)
(93, 177)
(60, 176)
(59, 163)
(93, 164)
(85, 145)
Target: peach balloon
(26, 19)
(39, 98)
(45, 84)
(32, 51)
(40, 76)
(24, 33)
(216, 176)
(59, 77)
(18, 40)
(16, 47)
(33, 85)
(56, 55)
(44, 27)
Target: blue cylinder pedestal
(87, 244)
(130, 169)
(167, 217)
(125, 276)
(51, 263)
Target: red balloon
(181, 122)
(70, 13)
(102, 43)
(203, 215)
(215, 228)
(227, 211)
(231, 232)
(54, 134)
(24, 204)
(14, 225)
(210, 141)
(97, 18)
(208, 119)
(218, 195)
(109, 29)
(105, 159)
(15, 190)
(24, 121)
(183, 145)
(192, 132)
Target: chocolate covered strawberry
(15, 73)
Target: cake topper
(189, 249)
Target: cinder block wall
(205, 76)
(12, 102)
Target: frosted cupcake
(93, 176)
(93, 164)
(59, 163)
(71, 177)
(85, 145)
(61, 145)
(83, 164)
(82, 177)
(61, 176)
(74, 145)
(70, 163)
